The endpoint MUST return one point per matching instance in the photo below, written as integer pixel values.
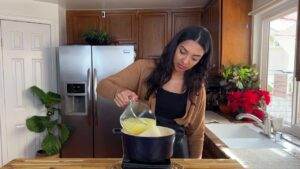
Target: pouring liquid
(138, 125)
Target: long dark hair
(193, 78)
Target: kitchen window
(274, 53)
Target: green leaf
(50, 125)
(54, 96)
(51, 144)
(39, 93)
(52, 99)
(36, 123)
(239, 85)
(64, 133)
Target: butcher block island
(115, 163)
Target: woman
(173, 87)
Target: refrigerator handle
(89, 99)
(95, 81)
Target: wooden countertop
(114, 163)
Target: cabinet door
(122, 26)
(215, 30)
(181, 20)
(79, 22)
(205, 17)
(236, 32)
(211, 19)
(153, 34)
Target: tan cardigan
(134, 78)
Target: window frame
(260, 51)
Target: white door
(26, 62)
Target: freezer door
(75, 85)
(108, 60)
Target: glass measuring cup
(137, 117)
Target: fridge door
(108, 60)
(75, 85)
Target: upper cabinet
(211, 19)
(153, 33)
(181, 20)
(236, 31)
(230, 27)
(148, 30)
(79, 22)
(121, 25)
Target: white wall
(35, 11)
(62, 23)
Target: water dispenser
(76, 98)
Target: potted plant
(56, 133)
(96, 37)
(236, 78)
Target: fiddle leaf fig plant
(57, 133)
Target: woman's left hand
(122, 98)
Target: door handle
(89, 99)
(20, 126)
(95, 81)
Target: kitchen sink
(242, 136)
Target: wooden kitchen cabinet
(79, 22)
(153, 33)
(121, 25)
(148, 30)
(181, 20)
(211, 150)
(211, 19)
(230, 27)
(236, 31)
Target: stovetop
(126, 165)
(141, 165)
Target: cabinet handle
(103, 14)
(20, 126)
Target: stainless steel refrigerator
(90, 117)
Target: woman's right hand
(122, 98)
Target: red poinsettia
(251, 101)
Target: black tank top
(170, 105)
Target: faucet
(265, 125)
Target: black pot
(147, 149)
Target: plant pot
(224, 108)
(95, 42)
(43, 154)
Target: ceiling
(128, 4)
